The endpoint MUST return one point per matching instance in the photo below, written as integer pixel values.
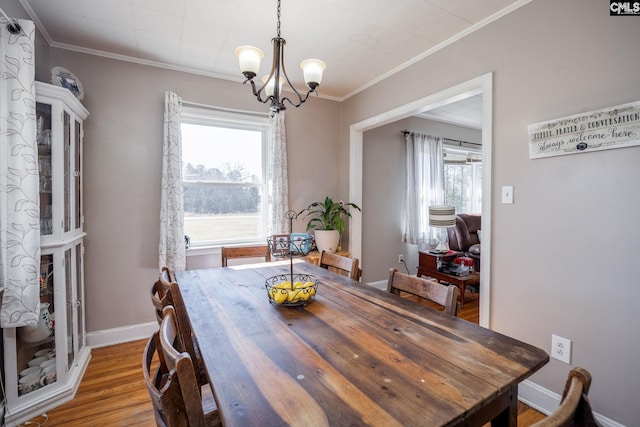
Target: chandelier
(249, 58)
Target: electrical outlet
(400, 258)
(561, 349)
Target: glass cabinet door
(77, 170)
(43, 114)
(35, 346)
(70, 304)
(79, 302)
(68, 175)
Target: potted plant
(328, 221)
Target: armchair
(464, 236)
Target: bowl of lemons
(292, 289)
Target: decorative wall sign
(613, 127)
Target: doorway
(481, 85)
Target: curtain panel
(172, 251)
(277, 179)
(424, 185)
(19, 179)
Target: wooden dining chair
(162, 386)
(160, 294)
(575, 409)
(233, 252)
(167, 275)
(198, 407)
(160, 297)
(187, 340)
(340, 264)
(444, 295)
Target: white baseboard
(121, 335)
(380, 284)
(546, 401)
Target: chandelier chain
(278, 18)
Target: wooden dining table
(354, 356)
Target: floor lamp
(441, 218)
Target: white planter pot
(327, 240)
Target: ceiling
(362, 41)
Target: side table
(428, 266)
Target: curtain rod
(12, 26)
(228, 110)
(448, 139)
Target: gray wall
(122, 155)
(383, 178)
(563, 260)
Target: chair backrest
(574, 409)
(445, 295)
(181, 371)
(160, 292)
(187, 340)
(163, 386)
(159, 299)
(167, 275)
(340, 264)
(231, 252)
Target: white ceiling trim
(440, 46)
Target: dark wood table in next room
(354, 356)
(428, 266)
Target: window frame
(473, 166)
(203, 116)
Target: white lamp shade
(312, 69)
(249, 58)
(270, 86)
(442, 216)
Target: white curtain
(278, 183)
(19, 179)
(172, 251)
(424, 185)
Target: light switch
(507, 194)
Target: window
(463, 180)
(223, 177)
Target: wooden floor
(113, 393)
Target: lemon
(298, 285)
(293, 296)
(304, 295)
(307, 284)
(280, 296)
(284, 285)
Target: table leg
(509, 416)
(502, 411)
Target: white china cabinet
(43, 365)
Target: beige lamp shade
(442, 216)
(312, 70)
(270, 86)
(249, 58)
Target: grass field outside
(222, 227)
